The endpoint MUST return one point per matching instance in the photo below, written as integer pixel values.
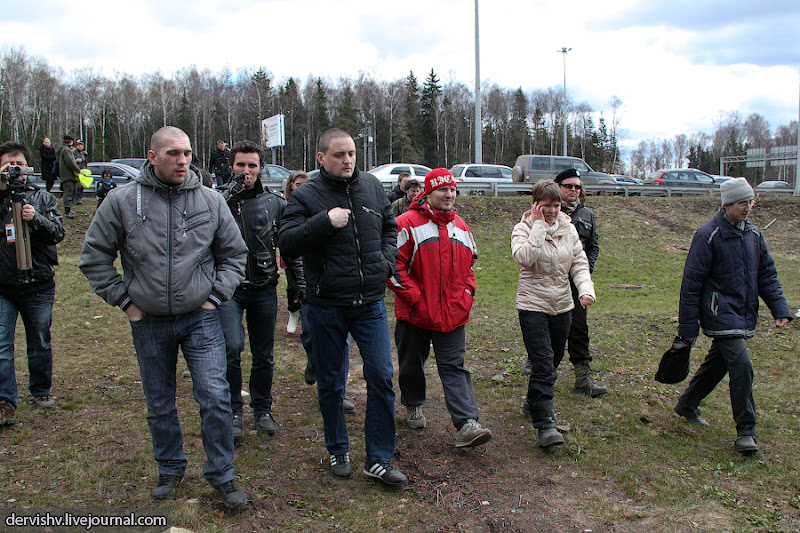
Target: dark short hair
(411, 183)
(546, 190)
(106, 171)
(327, 136)
(12, 147)
(402, 175)
(248, 147)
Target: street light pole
(478, 122)
(564, 51)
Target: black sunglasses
(570, 186)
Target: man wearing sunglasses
(583, 219)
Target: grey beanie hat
(734, 190)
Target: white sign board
(272, 131)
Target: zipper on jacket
(358, 247)
(248, 265)
(170, 245)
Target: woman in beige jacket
(549, 251)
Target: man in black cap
(572, 204)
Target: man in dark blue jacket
(727, 269)
(341, 224)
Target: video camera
(14, 176)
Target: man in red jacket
(434, 287)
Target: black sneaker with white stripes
(386, 473)
(340, 466)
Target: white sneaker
(294, 319)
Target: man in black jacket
(219, 163)
(583, 219)
(258, 212)
(27, 292)
(342, 226)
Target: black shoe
(238, 428)
(746, 445)
(266, 423)
(340, 466)
(386, 473)
(166, 486)
(691, 414)
(528, 370)
(232, 495)
(310, 376)
(550, 437)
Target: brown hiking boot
(44, 402)
(7, 416)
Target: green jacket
(68, 169)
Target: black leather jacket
(45, 232)
(258, 214)
(583, 219)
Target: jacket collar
(336, 182)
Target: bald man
(182, 256)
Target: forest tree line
(411, 120)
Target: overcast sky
(676, 65)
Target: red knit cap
(438, 177)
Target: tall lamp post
(478, 122)
(564, 51)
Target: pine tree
(429, 115)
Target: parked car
(120, 172)
(532, 168)
(678, 177)
(626, 180)
(774, 187)
(135, 162)
(274, 173)
(481, 172)
(388, 173)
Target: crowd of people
(197, 262)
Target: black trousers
(413, 347)
(578, 346)
(545, 337)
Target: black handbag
(674, 365)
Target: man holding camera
(26, 289)
(258, 212)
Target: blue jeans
(199, 335)
(369, 326)
(36, 311)
(261, 305)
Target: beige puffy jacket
(546, 264)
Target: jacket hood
(420, 203)
(148, 178)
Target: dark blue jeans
(369, 326)
(726, 356)
(36, 311)
(413, 347)
(200, 338)
(261, 305)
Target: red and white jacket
(434, 284)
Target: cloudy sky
(677, 65)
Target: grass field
(629, 463)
